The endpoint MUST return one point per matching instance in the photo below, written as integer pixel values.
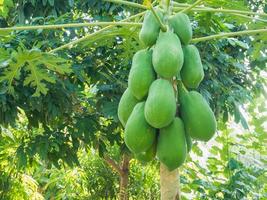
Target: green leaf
(22, 158)
(36, 78)
(55, 63)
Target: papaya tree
(64, 67)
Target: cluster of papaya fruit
(160, 110)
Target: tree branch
(223, 35)
(113, 164)
(72, 25)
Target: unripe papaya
(126, 105)
(160, 107)
(148, 155)
(141, 74)
(192, 71)
(167, 55)
(198, 118)
(171, 147)
(150, 28)
(139, 135)
(182, 27)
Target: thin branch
(136, 5)
(191, 6)
(113, 164)
(223, 35)
(70, 44)
(72, 25)
(162, 26)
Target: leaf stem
(229, 11)
(223, 35)
(181, 6)
(162, 26)
(72, 25)
(70, 44)
(191, 6)
(132, 4)
(249, 17)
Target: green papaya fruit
(192, 72)
(160, 107)
(141, 74)
(182, 27)
(150, 28)
(126, 105)
(139, 135)
(188, 142)
(171, 147)
(148, 155)
(198, 118)
(167, 55)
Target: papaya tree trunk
(123, 171)
(124, 178)
(169, 184)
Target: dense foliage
(55, 108)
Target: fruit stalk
(162, 26)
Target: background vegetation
(59, 133)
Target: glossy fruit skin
(150, 29)
(148, 155)
(141, 74)
(139, 135)
(198, 118)
(182, 27)
(160, 107)
(171, 147)
(126, 105)
(167, 55)
(192, 72)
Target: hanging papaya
(182, 27)
(139, 135)
(150, 28)
(167, 55)
(160, 107)
(148, 155)
(198, 118)
(141, 74)
(171, 147)
(192, 72)
(126, 105)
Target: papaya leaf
(40, 67)
(54, 63)
(12, 72)
(35, 78)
